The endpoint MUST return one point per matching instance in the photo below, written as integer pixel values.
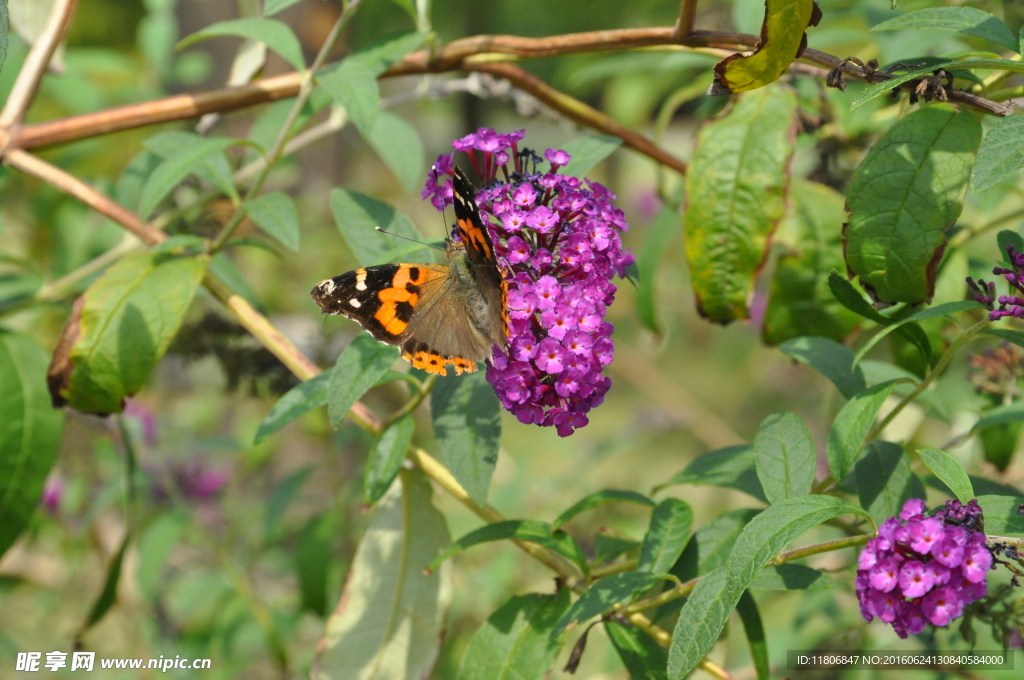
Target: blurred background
(243, 548)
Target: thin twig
(577, 110)
(687, 16)
(35, 65)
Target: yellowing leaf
(782, 41)
(391, 618)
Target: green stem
(424, 389)
(305, 90)
(944, 360)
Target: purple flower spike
(558, 241)
(985, 292)
(923, 569)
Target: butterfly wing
(480, 255)
(414, 306)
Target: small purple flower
(53, 491)
(557, 158)
(940, 564)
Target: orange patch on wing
(475, 236)
(435, 363)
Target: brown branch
(687, 17)
(577, 110)
(35, 65)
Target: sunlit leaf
(831, 359)
(275, 214)
(276, 34)
(736, 192)
(128, 318)
(467, 424)
(357, 370)
(851, 427)
(962, 19)
(949, 471)
(515, 643)
(399, 146)
(782, 41)
(800, 302)
(354, 86)
(391, 618)
(785, 456)
(30, 431)
(906, 192)
(214, 168)
(1001, 153)
(382, 54)
(709, 547)
(666, 536)
(176, 167)
(356, 216)
(586, 152)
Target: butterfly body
(438, 315)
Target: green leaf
(313, 557)
(275, 214)
(1016, 337)
(1002, 514)
(949, 471)
(105, 600)
(644, 658)
(800, 302)
(605, 594)
(175, 168)
(285, 492)
(586, 152)
(214, 168)
(850, 298)
(961, 19)
(752, 626)
(392, 615)
(906, 192)
(782, 41)
(400, 253)
(299, 400)
(831, 359)
(736, 187)
(710, 545)
(155, 548)
(601, 498)
(1001, 153)
(785, 456)
(791, 577)
(356, 216)
(851, 427)
(30, 432)
(982, 486)
(382, 54)
(530, 530)
(709, 605)
(467, 424)
(515, 643)
(275, 34)
(385, 458)
(935, 312)
(358, 368)
(666, 537)
(609, 546)
(660, 234)
(129, 317)
(272, 7)
(732, 467)
(1010, 413)
(399, 146)
(884, 480)
(886, 86)
(354, 86)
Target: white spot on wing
(361, 280)
(355, 303)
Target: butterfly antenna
(422, 243)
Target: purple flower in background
(53, 491)
(557, 239)
(924, 569)
(985, 292)
(198, 481)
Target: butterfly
(438, 315)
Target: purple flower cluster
(924, 569)
(558, 241)
(985, 292)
